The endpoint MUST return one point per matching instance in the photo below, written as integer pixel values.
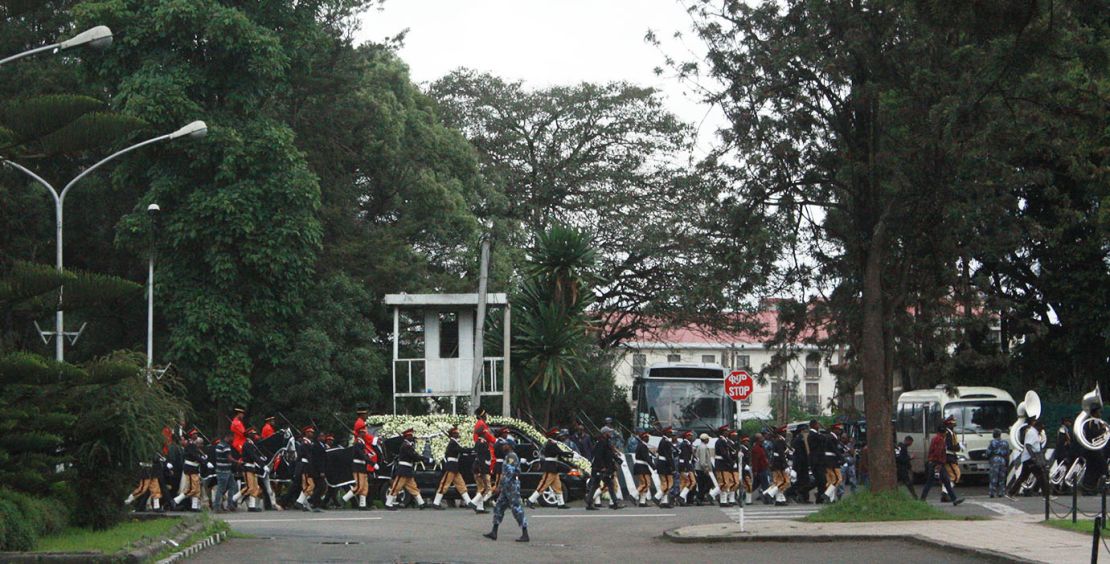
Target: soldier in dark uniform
(549, 465)
(685, 466)
(835, 453)
(193, 457)
(481, 470)
(306, 464)
(743, 461)
(360, 469)
(642, 468)
(666, 466)
(451, 475)
(804, 448)
(150, 484)
(722, 467)
(254, 464)
(403, 472)
(818, 460)
(780, 478)
(602, 466)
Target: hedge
(23, 519)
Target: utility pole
(480, 329)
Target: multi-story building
(806, 376)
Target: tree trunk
(877, 402)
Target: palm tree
(553, 327)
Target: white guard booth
(446, 367)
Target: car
(431, 440)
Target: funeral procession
(554, 281)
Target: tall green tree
(607, 158)
(850, 146)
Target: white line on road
(238, 521)
(1000, 508)
(601, 516)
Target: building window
(813, 398)
(743, 361)
(639, 364)
(708, 358)
(674, 358)
(813, 366)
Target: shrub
(23, 519)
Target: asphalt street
(575, 535)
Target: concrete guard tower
(447, 370)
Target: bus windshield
(684, 404)
(981, 417)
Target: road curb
(195, 548)
(987, 554)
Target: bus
(978, 411)
(683, 396)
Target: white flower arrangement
(434, 429)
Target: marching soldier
(481, 470)
(550, 466)
(306, 468)
(603, 467)
(403, 472)
(818, 462)
(268, 428)
(834, 458)
(642, 469)
(951, 450)
(361, 430)
(743, 460)
(451, 475)
(688, 480)
(194, 457)
(253, 465)
(666, 466)
(722, 466)
(149, 483)
(360, 469)
(238, 430)
(780, 479)
(804, 447)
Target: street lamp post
(98, 37)
(151, 210)
(195, 129)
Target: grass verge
(74, 539)
(1083, 526)
(885, 506)
(211, 527)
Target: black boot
(523, 535)
(528, 502)
(492, 535)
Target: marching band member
(550, 466)
(451, 475)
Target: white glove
(169, 466)
(210, 467)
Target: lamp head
(98, 37)
(153, 209)
(194, 130)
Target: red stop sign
(739, 385)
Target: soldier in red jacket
(238, 430)
(268, 428)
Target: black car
(428, 474)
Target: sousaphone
(1091, 431)
(1028, 409)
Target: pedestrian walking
(935, 467)
(225, 462)
(903, 459)
(509, 497)
(998, 452)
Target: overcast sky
(542, 42)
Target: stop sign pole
(739, 386)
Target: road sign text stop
(739, 385)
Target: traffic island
(143, 538)
(992, 539)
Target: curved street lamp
(98, 37)
(194, 130)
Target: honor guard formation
(289, 467)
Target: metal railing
(450, 376)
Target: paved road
(629, 535)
